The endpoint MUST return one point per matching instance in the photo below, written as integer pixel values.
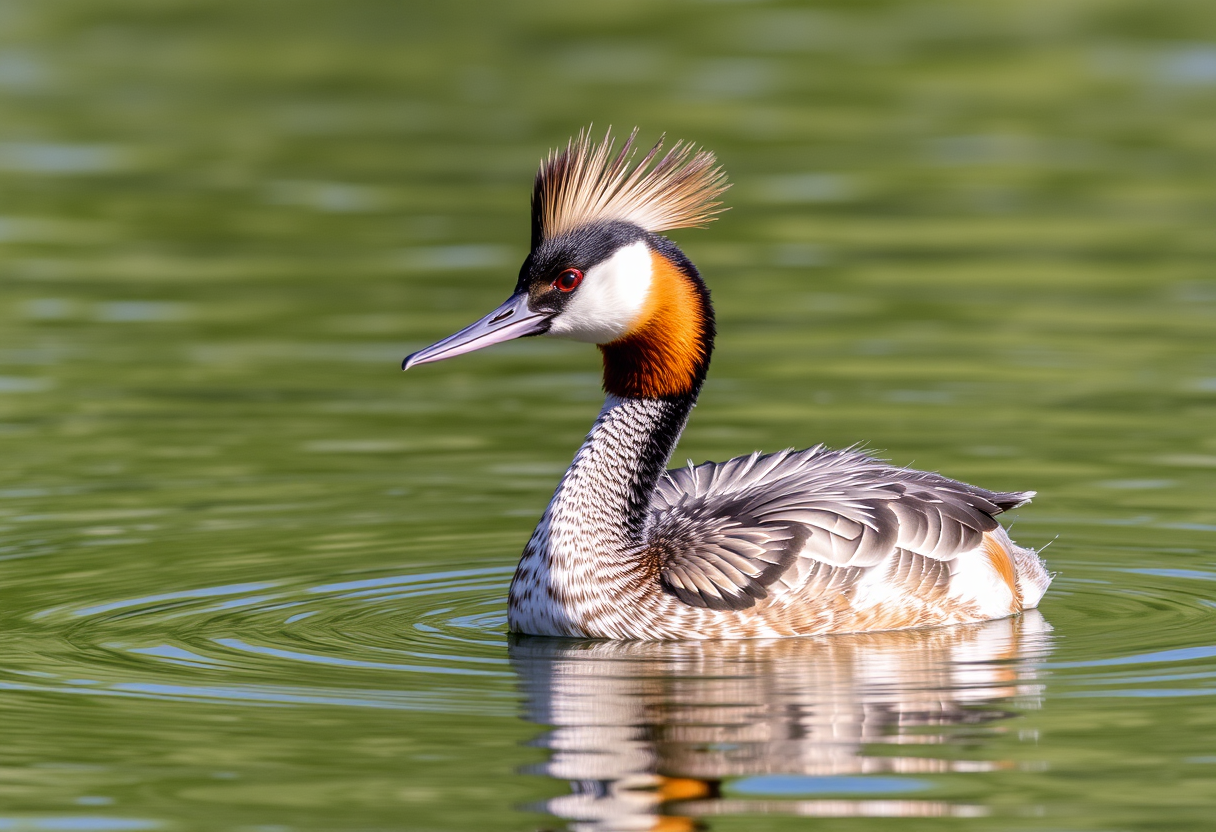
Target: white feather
(974, 580)
(609, 302)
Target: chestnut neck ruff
(667, 354)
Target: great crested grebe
(784, 544)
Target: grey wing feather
(724, 533)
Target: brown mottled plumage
(792, 543)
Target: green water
(253, 578)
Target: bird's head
(600, 273)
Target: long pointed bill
(511, 320)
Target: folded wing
(726, 535)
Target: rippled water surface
(254, 578)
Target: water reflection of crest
(647, 732)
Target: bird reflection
(661, 735)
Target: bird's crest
(587, 183)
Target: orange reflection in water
(659, 735)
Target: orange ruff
(998, 557)
(665, 353)
(682, 788)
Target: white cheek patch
(608, 303)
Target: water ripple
(390, 641)
(435, 640)
(1144, 644)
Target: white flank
(873, 589)
(1033, 578)
(610, 300)
(974, 580)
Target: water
(254, 578)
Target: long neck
(600, 506)
(581, 551)
(653, 376)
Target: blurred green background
(251, 577)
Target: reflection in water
(655, 735)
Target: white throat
(609, 303)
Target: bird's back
(834, 541)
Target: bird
(792, 543)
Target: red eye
(568, 280)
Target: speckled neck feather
(581, 556)
(589, 549)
